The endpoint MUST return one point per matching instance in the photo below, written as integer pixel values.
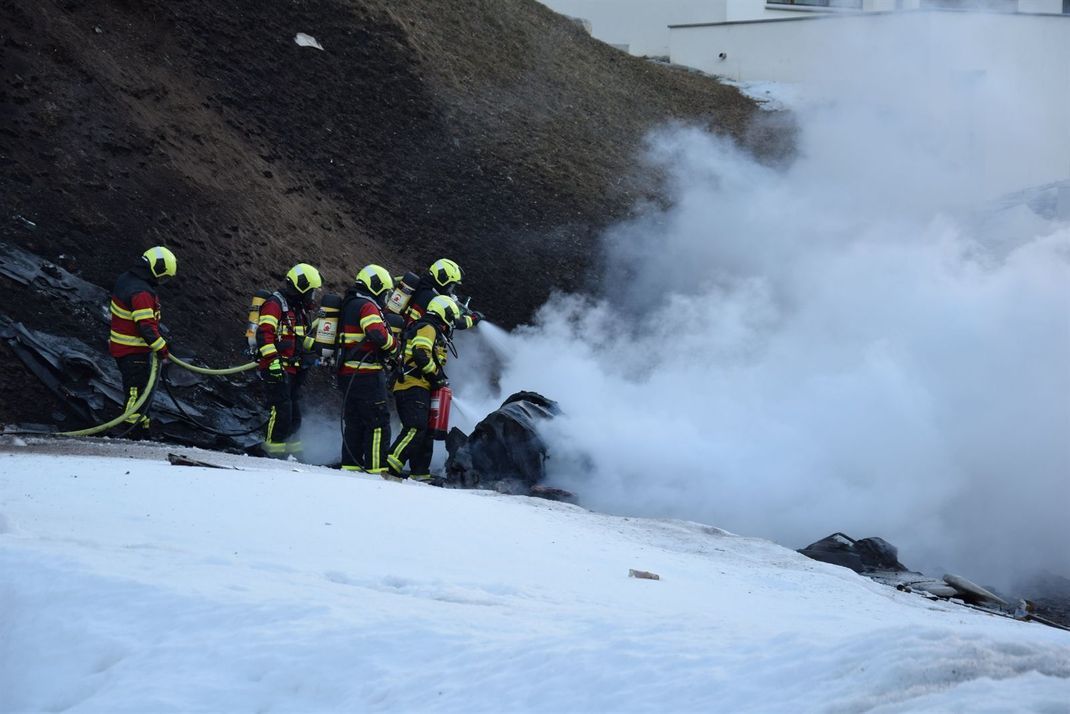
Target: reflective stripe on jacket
(363, 337)
(425, 292)
(281, 332)
(135, 316)
(428, 339)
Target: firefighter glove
(420, 358)
(274, 371)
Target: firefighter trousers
(134, 370)
(284, 416)
(414, 444)
(366, 422)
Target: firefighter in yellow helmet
(426, 347)
(135, 327)
(366, 344)
(443, 277)
(282, 334)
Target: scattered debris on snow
(643, 574)
(878, 559)
(181, 460)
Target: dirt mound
(495, 132)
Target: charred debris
(878, 559)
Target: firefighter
(282, 334)
(366, 346)
(442, 278)
(426, 342)
(135, 327)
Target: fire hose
(217, 372)
(147, 392)
(214, 372)
(133, 409)
(189, 418)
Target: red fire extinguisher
(438, 416)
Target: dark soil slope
(495, 132)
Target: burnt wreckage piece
(92, 389)
(878, 559)
(862, 556)
(87, 381)
(505, 452)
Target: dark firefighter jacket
(364, 338)
(135, 315)
(282, 331)
(425, 356)
(426, 290)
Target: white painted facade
(641, 27)
(766, 40)
(1007, 76)
(1050, 7)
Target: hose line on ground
(187, 417)
(134, 408)
(145, 394)
(206, 370)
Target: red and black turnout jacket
(426, 291)
(135, 316)
(281, 330)
(364, 337)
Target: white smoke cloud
(835, 346)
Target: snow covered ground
(128, 584)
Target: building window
(998, 5)
(1066, 7)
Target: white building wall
(643, 25)
(744, 10)
(797, 49)
(1011, 70)
(1052, 7)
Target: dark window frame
(835, 4)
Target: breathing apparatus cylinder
(438, 416)
(253, 319)
(327, 325)
(400, 296)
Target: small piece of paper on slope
(307, 41)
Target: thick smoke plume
(859, 342)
